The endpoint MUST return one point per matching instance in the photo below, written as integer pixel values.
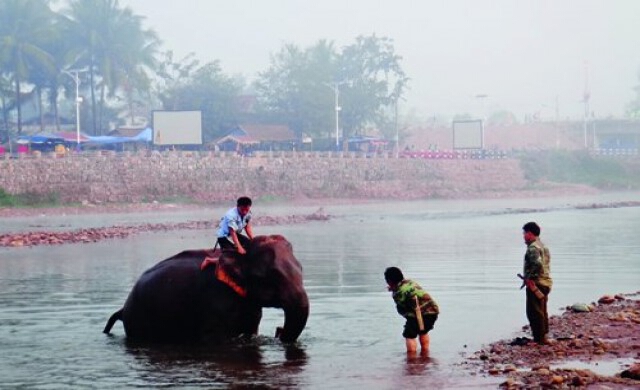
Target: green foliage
(111, 43)
(28, 199)
(25, 26)
(189, 86)
(300, 86)
(375, 82)
(633, 108)
(579, 168)
(6, 200)
(296, 89)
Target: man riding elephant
(233, 223)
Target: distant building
(247, 137)
(614, 134)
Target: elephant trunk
(295, 319)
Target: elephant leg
(250, 321)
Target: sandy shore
(586, 350)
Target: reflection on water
(241, 363)
(54, 301)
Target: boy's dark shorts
(411, 326)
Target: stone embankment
(214, 177)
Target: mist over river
(55, 300)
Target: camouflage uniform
(537, 261)
(405, 305)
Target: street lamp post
(336, 91)
(74, 74)
(482, 97)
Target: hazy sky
(524, 54)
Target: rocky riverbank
(584, 339)
(34, 238)
(41, 237)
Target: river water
(55, 300)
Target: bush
(6, 199)
(580, 168)
(28, 199)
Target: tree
(24, 27)
(633, 108)
(113, 47)
(299, 86)
(186, 86)
(376, 83)
(296, 88)
(5, 100)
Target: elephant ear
(262, 254)
(230, 263)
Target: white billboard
(468, 134)
(177, 127)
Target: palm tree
(5, 92)
(115, 48)
(24, 27)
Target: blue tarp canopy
(144, 136)
(46, 138)
(40, 138)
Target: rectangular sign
(468, 134)
(177, 127)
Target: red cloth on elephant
(223, 276)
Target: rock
(618, 317)
(632, 373)
(606, 299)
(578, 381)
(557, 380)
(509, 368)
(581, 308)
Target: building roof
(257, 133)
(239, 139)
(127, 131)
(266, 133)
(613, 126)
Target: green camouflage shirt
(405, 303)
(537, 262)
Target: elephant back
(173, 298)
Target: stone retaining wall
(214, 177)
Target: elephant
(207, 296)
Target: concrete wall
(215, 176)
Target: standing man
(416, 306)
(537, 278)
(232, 224)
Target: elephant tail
(112, 320)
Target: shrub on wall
(28, 199)
(579, 168)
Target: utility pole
(482, 97)
(336, 90)
(74, 74)
(585, 98)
